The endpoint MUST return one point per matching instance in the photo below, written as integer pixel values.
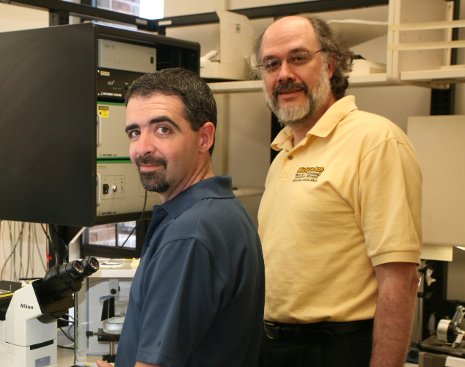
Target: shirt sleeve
(390, 197)
(182, 293)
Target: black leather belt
(276, 330)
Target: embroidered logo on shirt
(308, 174)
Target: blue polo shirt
(197, 296)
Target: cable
(135, 226)
(36, 241)
(70, 320)
(66, 334)
(58, 257)
(20, 249)
(50, 242)
(13, 251)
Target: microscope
(28, 315)
(446, 348)
(452, 331)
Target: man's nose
(144, 145)
(286, 72)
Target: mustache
(148, 160)
(289, 87)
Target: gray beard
(292, 115)
(296, 115)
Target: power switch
(113, 186)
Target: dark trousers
(317, 345)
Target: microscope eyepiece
(63, 280)
(91, 265)
(71, 270)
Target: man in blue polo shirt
(197, 296)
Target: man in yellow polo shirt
(340, 217)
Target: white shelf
(237, 86)
(369, 79)
(256, 85)
(449, 75)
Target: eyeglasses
(299, 58)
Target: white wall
(394, 102)
(13, 18)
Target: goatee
(152, 181)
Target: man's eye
(299, 58)
(271, 64)
(132, 134)
(163, 130)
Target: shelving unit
(420, 46)
(421, 43)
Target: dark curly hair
(197, 97)
(334, 50)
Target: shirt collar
(219, 187)
(323, 127)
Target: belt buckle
(271, 331)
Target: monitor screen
(122, 240)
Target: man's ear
(330, 66)
(207, 136)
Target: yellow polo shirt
(345, 199)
